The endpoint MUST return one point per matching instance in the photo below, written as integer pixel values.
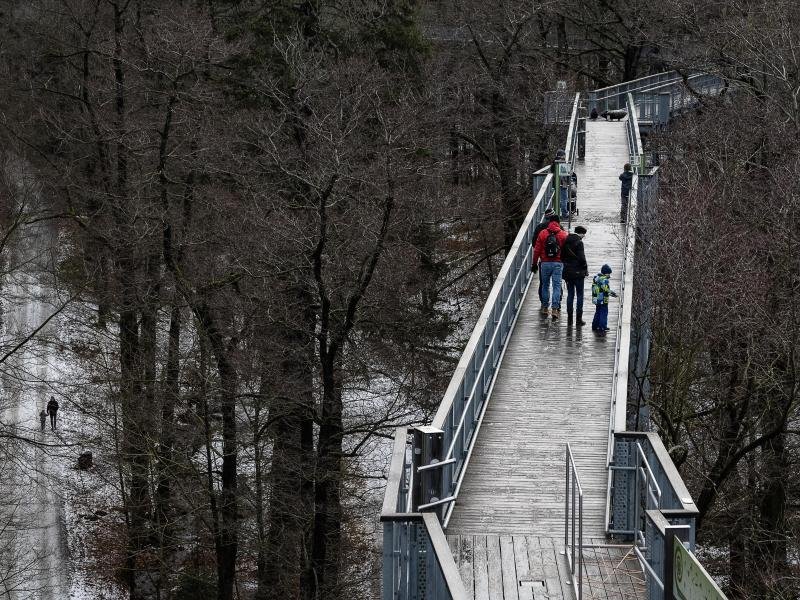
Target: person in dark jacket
(626, 177)
(601, 291)
(52, 409)
(42, 418)
(575, 271)
(563, 183)
(593, 114)
(550, 264)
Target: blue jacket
(601, 289)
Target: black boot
(569, 317)
(579, 321)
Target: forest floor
(48, 507)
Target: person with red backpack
(547, 249)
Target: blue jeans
(564, 196)
(600, 320)
(540, 288)
(551, 272)
(574, 288)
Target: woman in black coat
(575, 271)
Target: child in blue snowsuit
(601, 291)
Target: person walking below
(548, 249)
(601, 290)
(575, 271)
(52, 409)
(42, 418)
(626, 177)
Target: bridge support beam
(427, 481)
(664, 107)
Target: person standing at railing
(562, 181)
(575, 271)
(626, 177)
(548, 249)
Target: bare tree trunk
(166, 443)
(328, 496)
(227, 546)
(291, 508)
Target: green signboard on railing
(690, 580)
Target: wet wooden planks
(554, 386)
(522, 567)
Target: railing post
(388, 561)
(582, 138)
(427, 484)
(672, 534)
(623, 499)
(664, 99)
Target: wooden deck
(522, 567)
(553, 387)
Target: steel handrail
(651, 478)
(619, 382)
(397, 516)
(572, 131)
(648, 83)
(569, 548)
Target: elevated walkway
(553, 385)
(526, 485)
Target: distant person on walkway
(548, 250)
(593, 114)
(626, 177)
(563, 182)
(548, 216)
(601, 290)
(575, 271)
(42, 418)
(52, 409)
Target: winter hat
(549, 212)
(580, 230)
(605, 270)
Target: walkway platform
(553, 387)
(526, 567)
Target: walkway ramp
(553, 386)
(507, 494)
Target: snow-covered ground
(32, 511)
(43, 519)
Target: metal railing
(634, 136)
(574, 150)
(619, 384)
(613, 96)
(657, 97)
(417, 563)
(573, 544)
(650, 504)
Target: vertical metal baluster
(580, 547)
(573, 524)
